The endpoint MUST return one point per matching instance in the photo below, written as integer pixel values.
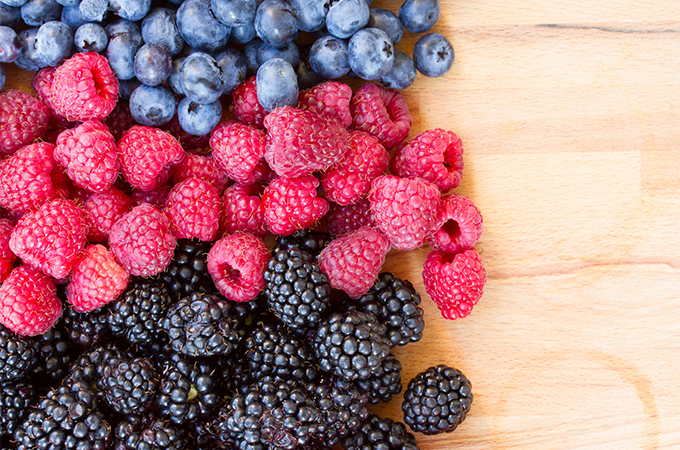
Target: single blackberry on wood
(18, 354)
(129, 385)
(86, 330)
(385, 384)
(16, 398)
(148, 433)
(188, 271)
(377, 433)
(308, 241)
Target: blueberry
(2, 77)
(290, 54)
(371, 53)
(90, 37)
(199, 28)
(433, 55)
(10, 47)
(346, 17)
(127, 87)
(419, 16)
(242, 34)
(233, 65)
(14, 3)
(54, 43)
(198, 118)
(152, 106)
(93, 10)
(311, 14)
(250, 52)
(173, 79)
(200, 78)
(125, 38)
(28, 59)
(9, 15)
(306, 76)
(68, 2)
(160, 27)
(71, 16)
(153, 64)
(234, 13)
(36, 12)
(388, 22)
(130, 9)
(277, 84)
(329, 57)
(402, 74)
(275, 23)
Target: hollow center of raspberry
(451, 228)
(231, 274)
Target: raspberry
(142, 242)
(42, 84)
(7, 258)
(23, 119)
(435, 155)
(193, 207)
(238, 148)
(349, 180)
(291, 204)
(202, 167)
(352, 261)
(29, 305)
(237, 263)
(155, 197)
(102, 210)
(246, 106)
(330, 99)
(381, 112)
(404, 209)
(343, 219)
(120, 120)
(84, 87)
(25, 180)
(88, 152)
(96, 279)
(50, 238)
(300, 142)
(455, 282)
(459, 225)
(241, 210)
(147, 155)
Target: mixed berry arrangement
(194, 215)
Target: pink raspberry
(147, 155)
(381, 112)
(84, 87)
(25, 178)
(404, 209)
(193, 207)
(241, 210)
(142, 242)
(455, 282)
(342, 219)
(50, 238)
(291, 204)
(202, 167)
(330, 99)
(187, 140)
(7, 258)
(459, 225)
(23, 119)
(120, 120)
(301, 142)
(236, 264)
(238, 148)
(29, 305)
(155, 197)
(434, 155)
(88, 152)
(42, 84)
(352, 261)
(102, 210)
(246, 106)
(350, 179)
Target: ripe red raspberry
(241, 210)
(434, 155)
(147, 155)
(102, 210)
(455, 282)
(204, 168)
(88, 152)
(238, 148)
(142, 242)
(291, 204)
(236, 264)
(246, 106)
(25, 178)
(342, 219)
(155, 197)
(29, 305)
(193, 207)
(352, 261)
(120, 120)
(382, 112)
(7, 258)
(96, 279)
(350, 179)
(187, 140)
(84, 87)
(404, 209)
(301, 142)
(23, 119)
(459, 225)
(42, 84)
(330, 99)
(50, 238)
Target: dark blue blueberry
(28, 59)
(311, 14)
(2, 77)
(54, 43)
(160, 27)
(9, 15)
(130, 9)
(388, 22)
(152, 106)
(125, 38)
(371, 53)
(10, 47)
(36, 12)
(91, 37)
(127, 87)
(402, 74)
(200, 78)
(68, 2)
(199, 28)
(153, 64)
(234, 13)
(250, 52)
(198, 118)
(94, 10)
(306, 76)
(173, 79)
(14, 3)
(275, 23)
(71, 16)
(243, 34)
(329, 57)
(233, 65)
(346, 17)
(433, 55)
(290, 54)
(419, 16)
(277, 84)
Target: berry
(25, 178)
(188, 141)
(385, 384)
(343, 219)
(90, 37)
(311, 14)
(159, 26)
(433, 55)
(23, 119)
(233, 68)
(85, 330)
(377, 433)
(455, 282)
(198, 119)
(130, 9)
(306, 76)
(152, 106)
(204, 168)
(388, 22)
(234, 12)
(155, 197)
(199, 27)
(10, 47)
(36, 12)
(102, 210)
(243, 34)
(200, 78)
(42, 84)
(460, 225)
(330, 99)
(149, 432)
(125, 38)
(7, 258)
(54, 43)
(16, 401)
(193, 207)
(93, 10)
(381, 112)
(238, 148)
(419, 16)
(276, 23)
(246, 107)
(28, 59)
(346, 17)
(291, 204)
(188, 270)
(308, 241)
(277, 84)
(18, 355)
(289, 53)
(129, 385)
(250, 53)
(402, 74)
(241, 210)
(370, 53)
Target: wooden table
(570, 115)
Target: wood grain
(571, 121)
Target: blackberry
(89, 366)
(18, 354)
(148, 433)
(351, 344)
(54, 357)
(15, 401)
(437, 400)
(213, 433)
(129, 385)
(188, 271)
(309, 241)
(86, 330)
(385, 384)
(377, 433)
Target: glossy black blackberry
(86, 330)
(351, 344)
(248, 313)
(148, 433)
(16, 398)
(188, 271)
(89, 366)
(437, 400)
(297, 290)
(129, 385)
(54, 357)
(377, 433)
(212, 433)
(18, 354)
(385, 384)
(309, 241)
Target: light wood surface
(570, 115)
